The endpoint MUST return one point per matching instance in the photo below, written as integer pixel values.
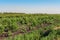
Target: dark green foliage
(58, 31)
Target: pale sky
(30, 6)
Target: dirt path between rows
(19, 32)
(57, 28)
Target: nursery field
(21, 26)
